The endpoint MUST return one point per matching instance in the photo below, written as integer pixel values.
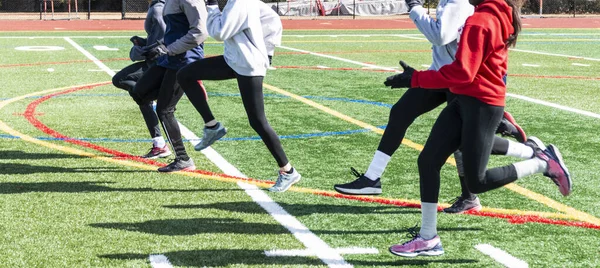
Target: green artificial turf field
(72, 197)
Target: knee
(183, 76)
(164, 113)
(425, 161)
(136, 97)
(475, 182)
(259, 124)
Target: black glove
(400, 80)
(138, 41)
(270, 60)
(156, 50)
(212, 2)
(413, 3)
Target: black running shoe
(508, 127)
(362, 185)
(461, 205)
(178, 165)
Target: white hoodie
(240, 29)
(271, 26)
(443, 32)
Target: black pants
(251, 90)
(160, 84)
(469, 125)
(126, 80)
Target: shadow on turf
(302, 209)
(195, 226)
(228, 257)
(22, 169)
(221, 258)
(83, 187)
(34, 156)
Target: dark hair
(516, 16)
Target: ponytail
(516, 16)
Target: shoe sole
(363, 191)
(512, 120)
(473, 209)
(558, 156)
(163, 155)
(198, 147)
(420, 253)
(288, 187)
(537, 142)
(192, 168)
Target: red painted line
(30, 114)
(55, 63)
(555, 76)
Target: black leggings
(126, 80)
(414, 103)
(251, 90)
(469, 125)
(159, 83)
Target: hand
(138, 41)
(401, 80)
(413, 3)
(212, 2)
(270, 60)
(155, 51)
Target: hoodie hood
(501, 10)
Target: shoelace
(355, 172)
(454, 201)
(413, 233)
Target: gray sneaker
(210, 136)
(285, 181)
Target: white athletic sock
(377, 166)
(211, 123)
(520, 150)
(428, 220)
(159, 142)
(529, 167)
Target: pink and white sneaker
(157, 152)
(557, 170)
(418, 246)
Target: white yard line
(554, 54)
(159, 261)
(89, 55)
(541, 102)
(554, 105)
(501, 256)
(312, 242)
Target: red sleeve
(463, 69)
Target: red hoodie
(481, 58)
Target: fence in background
(136, 9)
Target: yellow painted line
(576, 214)
(4, 127)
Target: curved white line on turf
(159, 261)
(501, 256)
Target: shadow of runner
(34, 156)
(195, 226)
(222, 257)
(302, 209)
(84, 187)
(22, 169)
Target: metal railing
(136, 9)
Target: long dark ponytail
(516, 16)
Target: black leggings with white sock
(126, 80)
(159, 83)
(251, 90)
(470, 125)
